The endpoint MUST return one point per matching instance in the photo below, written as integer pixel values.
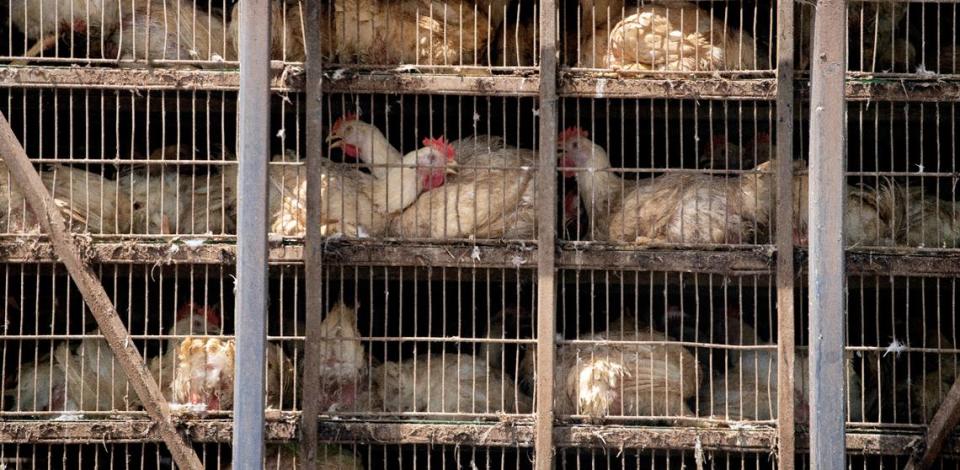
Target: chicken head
(435, 160)
(197, 320)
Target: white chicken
(343, 361)
(88, 378)
(421, 32)
(88, 202)
(748, 389)
(170, 30)
(677, 36)
(925, 220)
(46, 20)
(162, 201)
(358, 139)
(492, 196)
(675, 208)
(356, 204)
(871, 215)
(287, 41)
(600, 379)
(445, 383)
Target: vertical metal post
(251, 310)
(313, 250)
(826, 235)
(784, 240)
(546, 234)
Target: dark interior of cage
(901, 336)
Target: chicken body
(286, 32)
(422, 32)
(677, 208)
(88, 202)
(748, 390)
(171, 30)
(43, 18)
(492, 196)
(205, 374)
(926, 221)
(343, 361)
(675, 37)
(445, 383)
(600, 379)
(163, 201)
(42, 386)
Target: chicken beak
(451, 167)
(334, 141)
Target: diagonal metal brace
(941, 426)
(131, 362)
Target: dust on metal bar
(41, 203)
(826, 236)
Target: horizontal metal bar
(282, 78)
(754, 260)
(284, 426)
(709, 88)
(344, 81)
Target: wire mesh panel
(669, 37)
(669, 172)
(183, 33)
(587, 458)
(899, 38)
(901, 172)
(57, 365)
(666, 347)
(440, 343)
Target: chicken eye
(137, 206)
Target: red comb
(572, 132)
(339, 122)
(442, 146)
(213, 317)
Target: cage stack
(551, 233)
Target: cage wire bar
(252, 272)
(826, 236)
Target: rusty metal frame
(42, 205)
(546, 184)
(786, 274)
(313, 249)
(827, 197)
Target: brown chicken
(205, 374)
(677, 37)
(492, 196)
(927, 393)
(600, 379)
(420, 32)
(872, 31)
(925, 220)
(170, 30)
(674, 208)
(88, 202)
